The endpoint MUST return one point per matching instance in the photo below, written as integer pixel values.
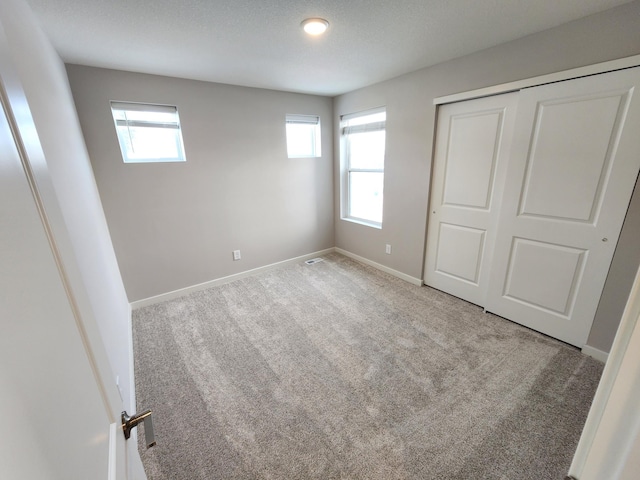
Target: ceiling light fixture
(315, 26)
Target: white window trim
(149, 107)
(345, 161)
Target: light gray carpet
(339, 371)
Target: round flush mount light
(315, 26)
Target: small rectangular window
(303, 136)
(148, 133)
(363, 150)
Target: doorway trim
(595, 69)
(611, 429)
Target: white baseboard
(391, 271)
(595, 353)
(145, 302)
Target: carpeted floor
(339, 371)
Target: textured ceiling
(260, 43)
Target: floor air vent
(313, 260)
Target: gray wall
(175, 225)
(410, 126)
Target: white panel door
(472, 144)
(574, 161)
(67, 425)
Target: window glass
(365, 195)
(146, 144)
(363, 152)
(366, 150)
(303, 136)
(148, 133)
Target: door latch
(129, 423)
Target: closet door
(472, 144)
(573, 164)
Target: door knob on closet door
(131, 422)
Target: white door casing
(572, 168)
(609, 446)
(472, 146)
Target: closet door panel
(530, 266)
(569, 161)
(573, 164)
(472, 141)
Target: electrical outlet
(236, 255)
(387, 249)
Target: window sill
(360, 221)
(155, 160)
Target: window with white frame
(303, 136)
(148, 133)
(363, 150)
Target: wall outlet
(387, 249)
(236, 255)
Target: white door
(472, 148)
(59, 417)
(573, 164)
